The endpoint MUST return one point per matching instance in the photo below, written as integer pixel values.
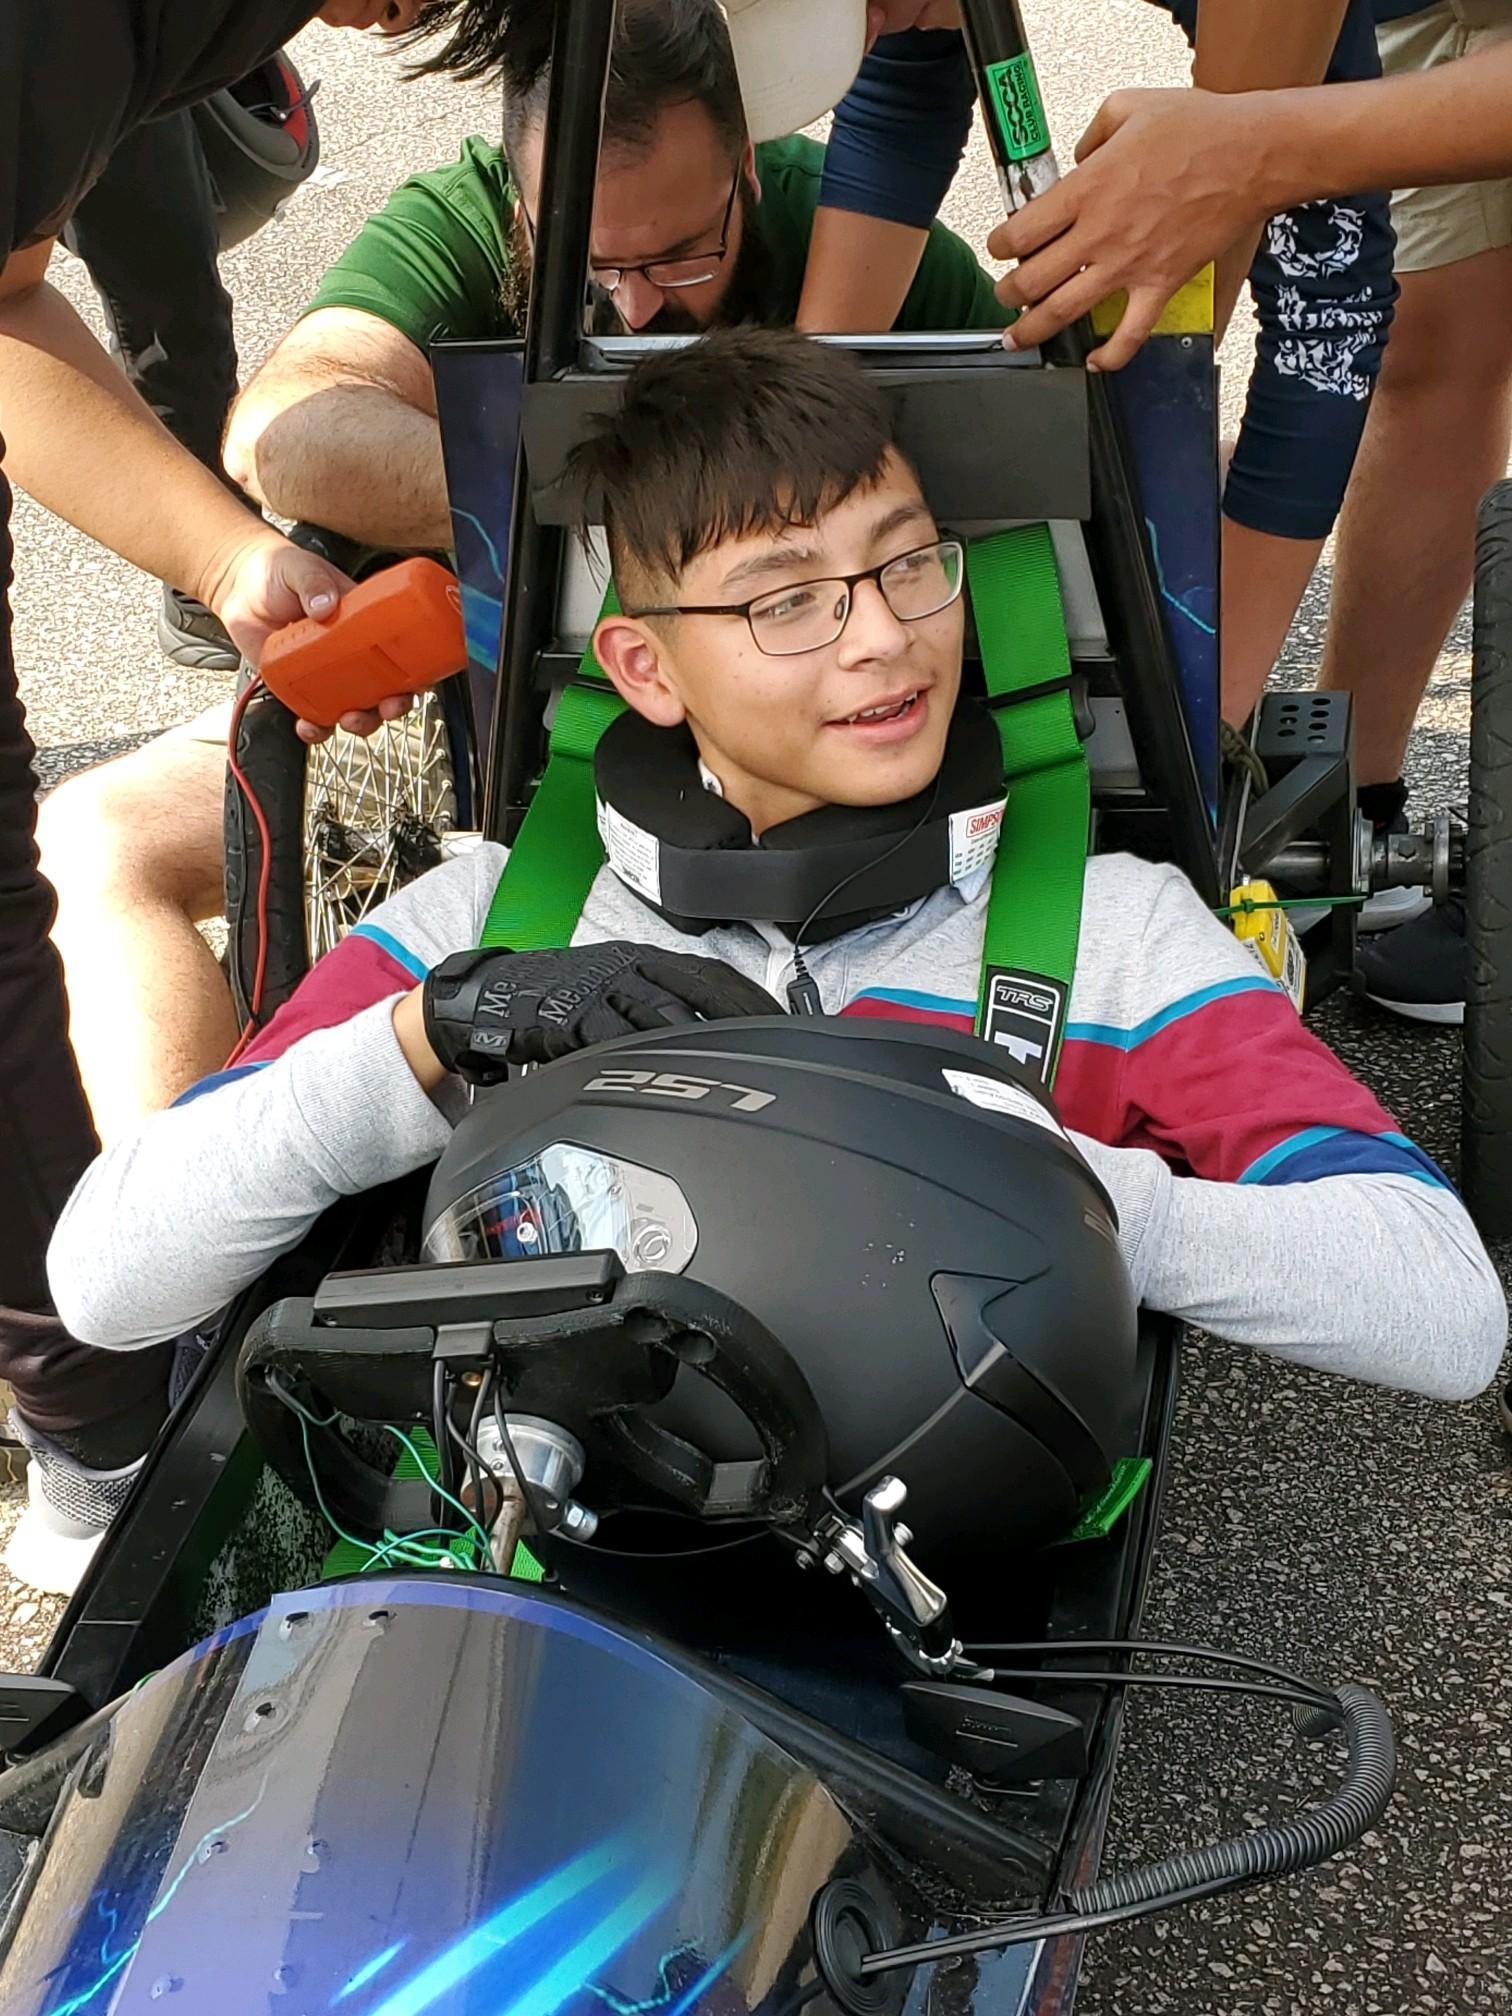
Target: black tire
(1486, 1166)
(299, 791)
(272, 759)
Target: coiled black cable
(1280, 1848)
(1284, 1846)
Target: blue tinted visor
(411, 1797)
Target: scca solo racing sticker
(1024, 1015)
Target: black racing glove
(487, 1010)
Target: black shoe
(194, 636)
(1421, 970)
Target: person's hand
(392, 16)
(892, 17)
(484, 1011)
(1168, 181)
(267, 582)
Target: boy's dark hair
(666, 52)
(746, 430)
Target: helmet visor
(570, 1200)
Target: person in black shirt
(76, 77)
(149, 234)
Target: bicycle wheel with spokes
(348, 822)
(376, 810)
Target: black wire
(1157, 1648)
(1026, 1928)
(800, 968)
(446, 1467)
(803, 1998)
(525, 1487)
(668, 1554)
(477, 1471)
(1298, 1696)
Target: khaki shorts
(1438, 227)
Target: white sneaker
(1390, 907)
(68, 1510)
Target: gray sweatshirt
(1262, 1192)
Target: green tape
(525, 1567)
(1017, 107)
(1102, 1514)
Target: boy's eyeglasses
(812, 614)
(667, 274)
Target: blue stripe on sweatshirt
(1340, 1151)
(387, 942)
(1189, 1004)
(217, 1079)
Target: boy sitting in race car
(792, 643)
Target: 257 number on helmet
(674, 1085)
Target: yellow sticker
(1267, 930)
(1189, 312)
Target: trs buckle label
(1024, 1015)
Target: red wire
(264, 873)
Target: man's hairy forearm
(355, 458)
(86, 447)
(1452, 124)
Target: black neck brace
(690, 855)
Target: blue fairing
(406, 1798)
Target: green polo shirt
(431, 262)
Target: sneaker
(1421, 971)
(1390, 908)
(68, 1509)
(194, 636)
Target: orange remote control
(397, 632)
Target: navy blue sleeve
(902, 128)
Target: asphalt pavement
(1353, 1532)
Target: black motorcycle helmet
(898, 1207)
(260, 141)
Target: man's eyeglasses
(694, 270)
(812, 614)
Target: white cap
(796, 58)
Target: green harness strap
(557, 851)
(1034, 911)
